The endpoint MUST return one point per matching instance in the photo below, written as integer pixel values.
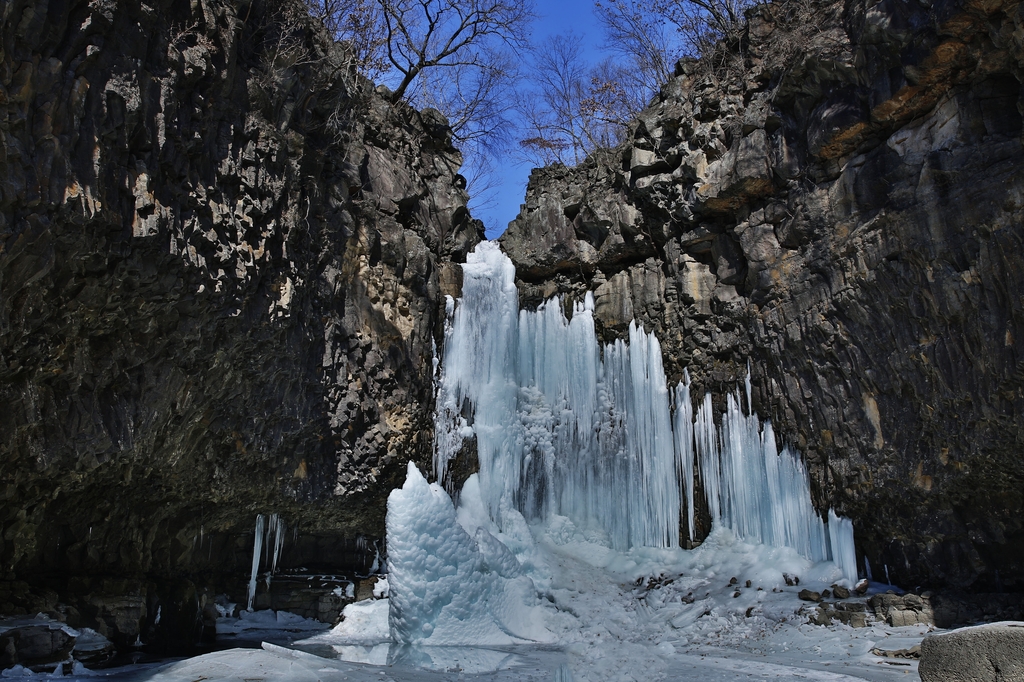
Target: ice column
(257, 550)
(705, 437)
(562, 425)
(479, 370)
(682, 428)
(446, 587)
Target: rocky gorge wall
(222, 260)
(837, 202)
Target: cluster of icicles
(269, 535)
(566, 426)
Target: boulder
(984, 653)
(35, 642)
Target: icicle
(706, 440)
(257, 550)
(375, 566)
(746, 385)
(276, 527)
(683, 432)
(762, 494)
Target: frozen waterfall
(566, 426)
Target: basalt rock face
(222, 264)
(841, 208)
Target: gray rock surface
(31, 644)
(984, 653)
(841, 207)
(220, 285)
(902, 609)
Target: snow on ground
(647, 614)
(615, 629)
(722, 611)
(609, 628)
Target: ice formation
(557, 425)
(565, 426)
(447, 587)
(265, 529)
(763, 495)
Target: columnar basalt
(221, 258)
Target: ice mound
(364, 621)
(444, 589)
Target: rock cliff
(222, 265)
(836, 201)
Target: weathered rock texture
(841, 207)
(220, 258)
(986, 653)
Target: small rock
(733, 581)
(817, 615)
(861, 587)
(825, 594)
(840, 592)
(735, 594)
(809, 595)
(791, 580)
(912, 652)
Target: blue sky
(554, 17)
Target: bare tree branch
(447, 31)
(573, 109)
(633, 31)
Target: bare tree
(427, 34)
(639, 31)
(456, 56)
(703, 22)
(573, 108)
(360, 23)
(452, 55)
(636, 33)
